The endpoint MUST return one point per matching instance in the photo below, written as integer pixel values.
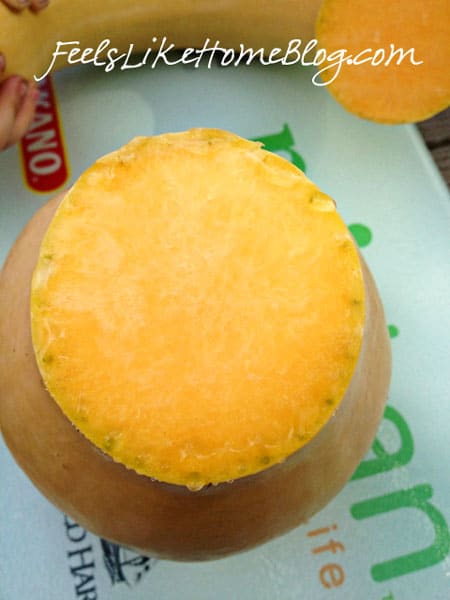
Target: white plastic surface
(382, 179)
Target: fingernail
(35, 94)
(24, 2)
(23, 87)
(2, 62)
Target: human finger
(25, 113)
(16, 4)
(12, 92)
(37, 5)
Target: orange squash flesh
(197, 307)
(395, 93)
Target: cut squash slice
(197, 307)
(377, 36)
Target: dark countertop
(436, 133)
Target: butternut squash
(28, 40)
(369, 31)
(206, 360)
(388, 93)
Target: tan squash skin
(162, 519)
(28, 40)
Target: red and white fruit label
(44, 161)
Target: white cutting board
(390, 193)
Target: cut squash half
(197, 307)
